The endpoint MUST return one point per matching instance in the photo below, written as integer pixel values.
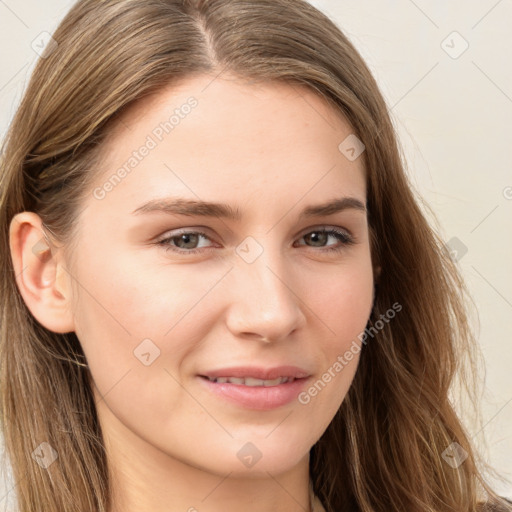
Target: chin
(256, 458)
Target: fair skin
(269, 151)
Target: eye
(187, 242)
(319, 236)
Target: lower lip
(261, 398)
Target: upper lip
(258, 372)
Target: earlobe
(37, 266)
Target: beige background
(442, 67)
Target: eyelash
(345, 239)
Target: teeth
(235, 380)
(250, 381)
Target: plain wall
(452, 107)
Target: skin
(270, 150)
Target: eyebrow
(181, 206)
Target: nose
(265, 300)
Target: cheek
(141, 299)
(134, 332)
(122, 303)
(342, 299)
(340, 307)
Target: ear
(40, 276)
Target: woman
(222, 293)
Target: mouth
(256, 388)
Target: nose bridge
(264, 301)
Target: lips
(256, 388)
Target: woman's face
(168, 290)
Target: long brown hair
(383, 449)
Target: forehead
(231, 93)
(214, 137)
